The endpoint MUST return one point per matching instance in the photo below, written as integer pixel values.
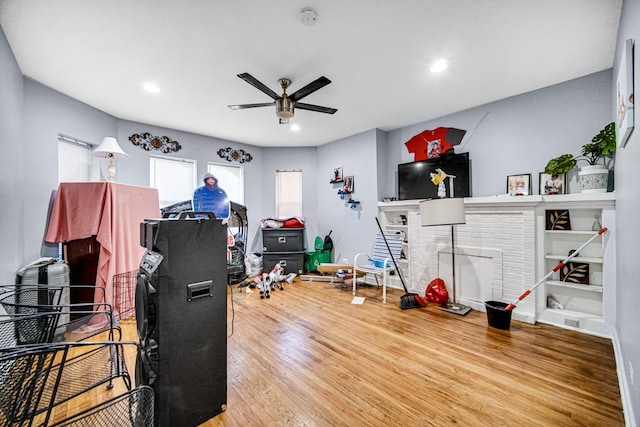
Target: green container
(314, 259)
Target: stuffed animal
(275, 279)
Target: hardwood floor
(308, 357)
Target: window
(288, 193)
(174, 178)
(76, 162)
(230, 179)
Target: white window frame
(155, 181)
(227, 175)
(76, 162)
(288, 193)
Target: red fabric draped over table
(110, 211)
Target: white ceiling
(377, 53)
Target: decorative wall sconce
(231, 155)
(148, 142)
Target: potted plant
(594, 177)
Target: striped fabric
(380, 250)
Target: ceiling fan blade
(258, 85)
(245, 106)
(311, 107)
(309, 89)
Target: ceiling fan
(285, 103)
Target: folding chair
(381, 261)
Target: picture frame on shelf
(575, 272)
(552, 184)
(348, 184)
(557, 220)
(624, 95)
(519, 185)
(337, 174)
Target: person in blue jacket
(211, 198)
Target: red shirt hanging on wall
(430, 144)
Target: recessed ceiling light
(150, 87)
(439, 65)
(295, 127)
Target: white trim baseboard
(627, 407)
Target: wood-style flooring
(308, 357)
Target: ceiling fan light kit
(285, 104)
(284, 108)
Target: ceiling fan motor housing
(285, 103)
(284, 108)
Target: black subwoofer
(181, 314)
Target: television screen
(414, 179)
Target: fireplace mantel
(500, 251)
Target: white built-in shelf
(574, 232)
(396, 227)
(587, 288)
(576, 259)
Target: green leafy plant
(601, 145)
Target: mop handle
(556, 268)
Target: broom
(408, 300)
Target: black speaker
(181, 314)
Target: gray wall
(12, 190)
(304, 159)
(519, 135)
(353, 230)
(627, 336)
(135, 169)
(46, 114)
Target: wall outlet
(631, 372)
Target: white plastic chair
(380, 262)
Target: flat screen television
(414, 179)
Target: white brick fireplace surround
(500, 251)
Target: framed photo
(553, 184)
(348, 184)
(519, 185)
(337, 174)
(624, 95)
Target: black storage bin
(292, 262)
(283, 239)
